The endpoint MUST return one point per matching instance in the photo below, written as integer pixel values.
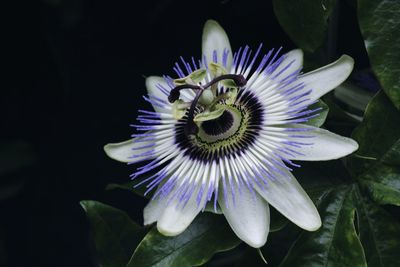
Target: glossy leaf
(336, 243)
(379, 22)
(130, 186)
(305, 21)
(319, 177)
(352, 96)
(377, 162)
(379, 234)
(207, 235)
(115, 234)
(339, 121)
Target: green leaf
(355, 98)
(275, 249)
(379, 22)
(130, 186)
(278, 221)
(379, 234)
(305, 21)
(336, 243)
(115, 234)
(323, 113)
(377, 161)
(337, 114)
(207, 235)
(319, 177)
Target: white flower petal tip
(128, 151)
(296, 56)
(173, 216)
(286, 195)
(152, 83)
(175, 219)
(170, 230)
(324, 145)
(313, 225)
(324, 79)
(152, 212)
(307, 219)
(248, 216)
(215, 39)
(311, 221)
(119, 151)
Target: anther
(191, 127)
(239, 80)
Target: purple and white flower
(226, 132)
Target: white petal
(125, 151)
(215, 39)
(153, 211)
(324, 79)
(286, 195)
(325, 145)
(153, 84)
(248, 215)
(294, 58)
(175, 218)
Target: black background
(73, 82)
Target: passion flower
(225, 131)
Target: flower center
(231, 132)
(191, 127)
(222, 127)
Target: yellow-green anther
(229, 84)
(231, 96)
(193, 78)
(179, 108)
(210, 115)
(217, 69)
(206, 97)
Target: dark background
(73, 82)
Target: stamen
(191, 127)
(239, 80)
